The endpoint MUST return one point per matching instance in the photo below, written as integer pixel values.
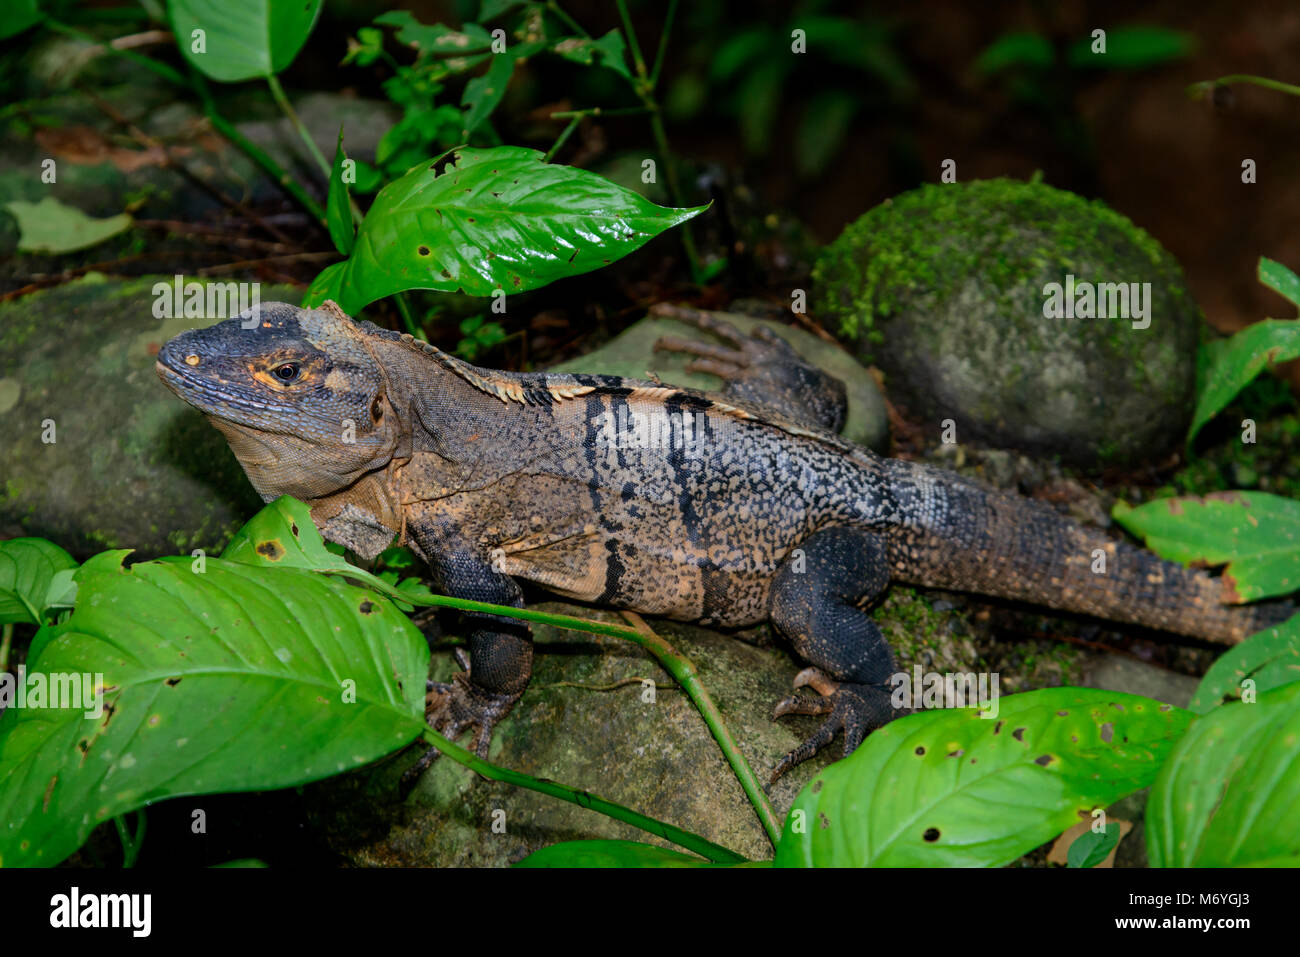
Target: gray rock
(631, 354)
(131, 465)
(943, 287)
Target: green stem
(568, 21)
(562, 138)
(1197, 89)
(663, 43)
(408, 319)
(277, 92)
(632, 43)
(600, 111)
(692, 842)
(131, 843)
(257, 155)
(644, 88)
(6, 642)
(683, 669)
(672, 661)
(161, 69)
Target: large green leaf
(29, 568)
(1270, 658)
(494, 219)
(54, 227)
(1228, 795)
(17, 16)
(949, 788)
(612, 854)
(236, 678)
(1255, 533)
(242, 39)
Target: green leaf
(1234, 363)
(949, 788)
(1090, 848)
(436, 39)
(1269, 658)
(1228, 795)
(609, 50)
(1133, 48)
(1256, 534)
(493, 219)
(757, 99)
(235, 679)
(491, 9)
(338, 211)
(53, 227)
(822, 128)
(241, 39)
(29, 569)
(612, 854)
(283, 534)
(19, 15)
(1031, 50)
(1280, 279)
(483, 93)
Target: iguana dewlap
(725, 509)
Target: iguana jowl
(725, 509)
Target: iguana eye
(287, 372)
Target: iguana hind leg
(760, 368)
(814, 602)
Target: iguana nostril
(191, 360)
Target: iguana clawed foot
(759, 368)
(855, 709)
(456, 706)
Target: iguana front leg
(500, 649)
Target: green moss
(1004, 235)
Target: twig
(282, 101)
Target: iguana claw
(456, 706)
(855, 709)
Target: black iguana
(725, 509)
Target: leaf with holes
(29, 573)
(952, 789)
(1229, 793)
(239, 678)
(1256, 534)
(493, 219)
(235, 40)
(1269, 659)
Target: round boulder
(1031, 317)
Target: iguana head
(298, 394)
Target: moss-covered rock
(944, 288)
(130, 465)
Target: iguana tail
(972, 538)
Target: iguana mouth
(204, 395)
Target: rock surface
(943, 287)
(131, 466)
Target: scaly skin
(726, 509)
